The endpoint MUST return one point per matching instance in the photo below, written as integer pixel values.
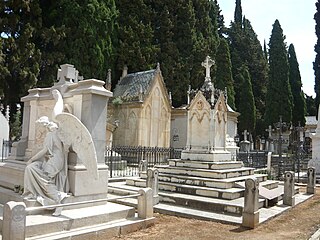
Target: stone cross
(208, 63)
(269, 130)
(245, 134)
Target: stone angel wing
(74, 134)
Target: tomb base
(250, 220)
(82, 183)
(200, 155)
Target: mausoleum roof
(134, 85)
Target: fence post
(250, 214)
(311, 186)
(269, 157)
(14, 221)
(152, 182)
(145, 203)
(288, 195)
(142, 167)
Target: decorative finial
(158, 66)
(170, 97)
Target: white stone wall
(4, 132)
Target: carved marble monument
(207, 122)
(85, 100)
(315, 161)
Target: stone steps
(84, 221)
(205, 164)
(206, 173)
(234, 206)
(196, 181)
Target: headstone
(288, 195)
(250, 214)
(245, 144)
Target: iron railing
(125, 160)
(255, 159)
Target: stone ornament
(46, 173)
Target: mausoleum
(141, 107)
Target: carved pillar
(250, 214)
(288, 195)
(311, 186)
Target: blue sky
(296, 20)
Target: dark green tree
(89, 29)
(222, 30)
(299, 102)
(247, 119)
(316, 63)
(136, 47)
(206, 38)
(279, 100)
(311, 106)
(258, 69)
(265, 51)
(238, 13)
(19, 21)
(224, 77)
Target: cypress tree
(311, 106)
(279, 96)
(19, 21)
(316, 63)
(299, 103)
(238, 13)
(247, 119)
(224, 74)
(89, 29)
(206, 38)
(135, 46)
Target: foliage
(19, 21)
(279, 100)
(224, 74)
(135, 46)
(247, 119)
(316, 63)
(299, 103)
(15, 126)
(311, 106)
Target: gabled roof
(134, 84)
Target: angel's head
(44, 120)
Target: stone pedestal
(214, 156)
(288, 195)
(250, 214)
(311, 186)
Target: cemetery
(71, 174)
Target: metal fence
(255, 159)
(125, 160)
(6, 149)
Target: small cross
(245, 134)
(269, 130)
(208, 63)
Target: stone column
(143, 166)
(269, 158)
(145, 203)
(152, 182)
(250, 214)
(288, 195)
(14, 221)
(311, 186)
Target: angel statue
(46, 178)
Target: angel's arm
(38, 155)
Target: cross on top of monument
(245, 134)
(68, 73)
(208, 63)
(269, 130)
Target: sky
(297, 23)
